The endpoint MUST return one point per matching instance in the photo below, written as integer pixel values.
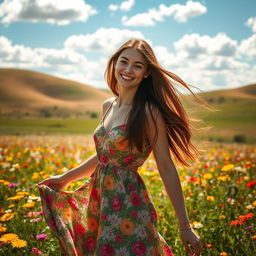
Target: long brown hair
(159, 91)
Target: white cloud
(180, 13)
(251, 22)
(248, 47)
(104, 39)
(194, 45)
(124, 6)
(60, 12)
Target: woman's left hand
(191, 242)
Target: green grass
(47, 126)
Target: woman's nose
(128, 68)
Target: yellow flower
(254, 203)
(11, 206)
(222, 217)
(18, 243)
(3, 229)
(7, 216)
(29, 205)
(227, 167)
(15, 198)
(207, 176)
(210, 198)
(224, 178)
(7, 238)
(253, 237)
(35, 176)
(23, 193)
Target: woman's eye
(122, 61)
(138, 66)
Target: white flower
(108, 234)
(120, 187)
(144, 216)
(141, 231)
(114, 219)
(122, 252)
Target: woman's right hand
(56, 182)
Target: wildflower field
(219, 192)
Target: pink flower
(90, 243)
(103, 158)
(107, 250)
(79, 229)
(139, 248)
(36, 251)
(167, 251)
(135, 199)
(129, 158)
(41, 237)
(85, 201)
(73, 203)
(35, 220)
(116, 203)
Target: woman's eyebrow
(135, 61)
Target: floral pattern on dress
(112, 213)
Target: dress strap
(102, 120)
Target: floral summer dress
(112, 213)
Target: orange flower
(67, 214)
(208, 245)
(109, 182)
(146, 196)
(121, 145)
(127, 226)
(7, 216)
(92, 224)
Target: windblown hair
(157, 90)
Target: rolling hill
(30, 93)
(26, 96)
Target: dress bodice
(111, 149)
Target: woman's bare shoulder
(107, 102)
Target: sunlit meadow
(219, 192)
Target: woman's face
(130, 68)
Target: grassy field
(219, 192)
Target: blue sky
(210, 44)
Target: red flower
(103, 158)
(104, 217)
(85, 201)
(135, 199)
(131, 187)
(79, 229)
(112, 151)
(167, 251)
(90, 243)
(129, 158)
(95, 194)
(107, 250)
(116, 203)
(153, 215)
(25, 165)
(73, 203)
(134, 214)
(139, 248)
(118, 238)
(251, 184)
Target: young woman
(112, 213)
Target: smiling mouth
(127, 78)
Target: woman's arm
(170, 177)
(166, 167)
(85, 169)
